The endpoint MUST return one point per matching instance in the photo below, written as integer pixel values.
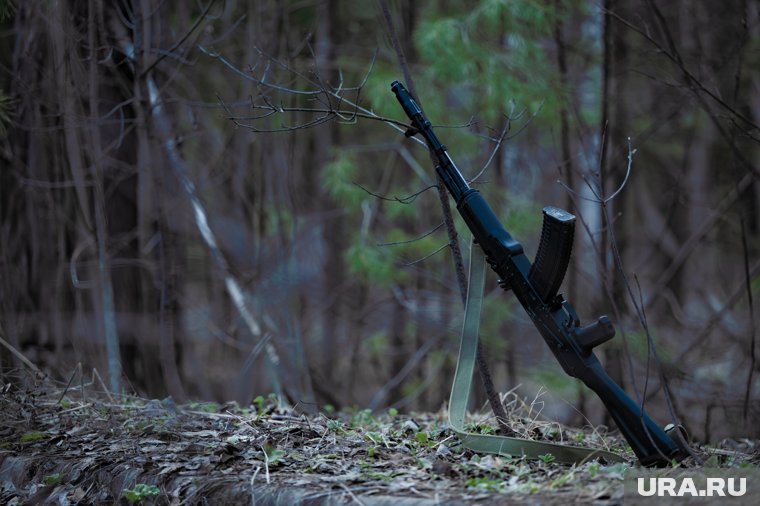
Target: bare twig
(96, 374)
(78, 368)
(253, 490)
(181, 41)
(673, 55)
(409, 241)
(631, 152)
(266, 464)
(502, 136)
(716, 317)
(353, 496)
(18, 354)
(438, 250)
(402, 200)
(378, 397)
(326, 113)
(750, 301)
(689, 246)
(264, 83)
(597, 196)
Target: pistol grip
(553, 255)
(594, 334)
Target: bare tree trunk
(398, 348)
(567, 165)
(612, 121)
(421, 335)
(334, 333)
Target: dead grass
(76, 446)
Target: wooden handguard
(553, 253)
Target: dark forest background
(202, 200)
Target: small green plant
(129, 401)
(206, 407)
(32, 436)
(482, 482)
(562, 479)
(140, 492)
(579, 437)
(422, 462)
(485, 428)
(362, 417)
(273, 455)
(265, 405)
(52, 479)
(378, 475)
(547, 458)
(532, 487)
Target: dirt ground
(71, 445)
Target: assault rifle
(535, 285)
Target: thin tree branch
(502, 136)
(409, 241)
(689, 246)
(402, 200)
(672, 55)
(174, 46)
(18, 354)
(438, 250)
(267, 84)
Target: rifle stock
(535, 285)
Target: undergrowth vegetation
(85, 447)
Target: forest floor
(74, 446)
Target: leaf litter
(61, 447)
